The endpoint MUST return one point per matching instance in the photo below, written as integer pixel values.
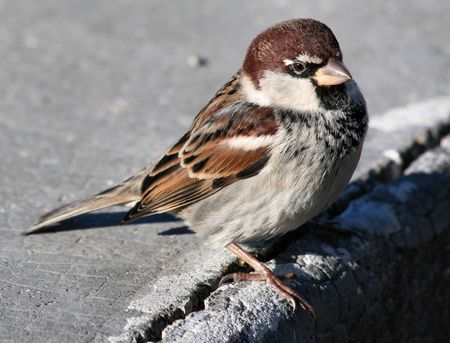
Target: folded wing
(228, 144)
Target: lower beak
(332, 74)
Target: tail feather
(127, 192)
(75, 209)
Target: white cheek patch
(282, 90)
(289, 92)
(249, 143)
(252, 94)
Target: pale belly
(279, 199)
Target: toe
(227, 278)
(290, 295)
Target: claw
(262, 273)
(226, 278)
(275, 282)
(293, 304)
(307, 307)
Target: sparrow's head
(296, 64)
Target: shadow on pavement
(108, 219)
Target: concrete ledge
(388, 286)
(88, 99)
(350, 282)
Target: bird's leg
(262, 273)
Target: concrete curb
(334, 276)
(360, 288)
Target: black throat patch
(341, 130)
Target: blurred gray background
(93, 90)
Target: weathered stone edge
(358, 286)
(188, 295)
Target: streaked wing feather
(207, 159)
(222, 161)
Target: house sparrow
(272, 149)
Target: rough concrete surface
(178, 295)
(389, 285)
(93, 90)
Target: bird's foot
(273, 281)
(262, 273)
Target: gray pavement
(93, 90)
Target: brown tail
(127, 192)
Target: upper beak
(332, 74)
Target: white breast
(290, 190)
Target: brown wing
(228, 141)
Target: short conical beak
(332, 74)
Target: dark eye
(298, 67)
